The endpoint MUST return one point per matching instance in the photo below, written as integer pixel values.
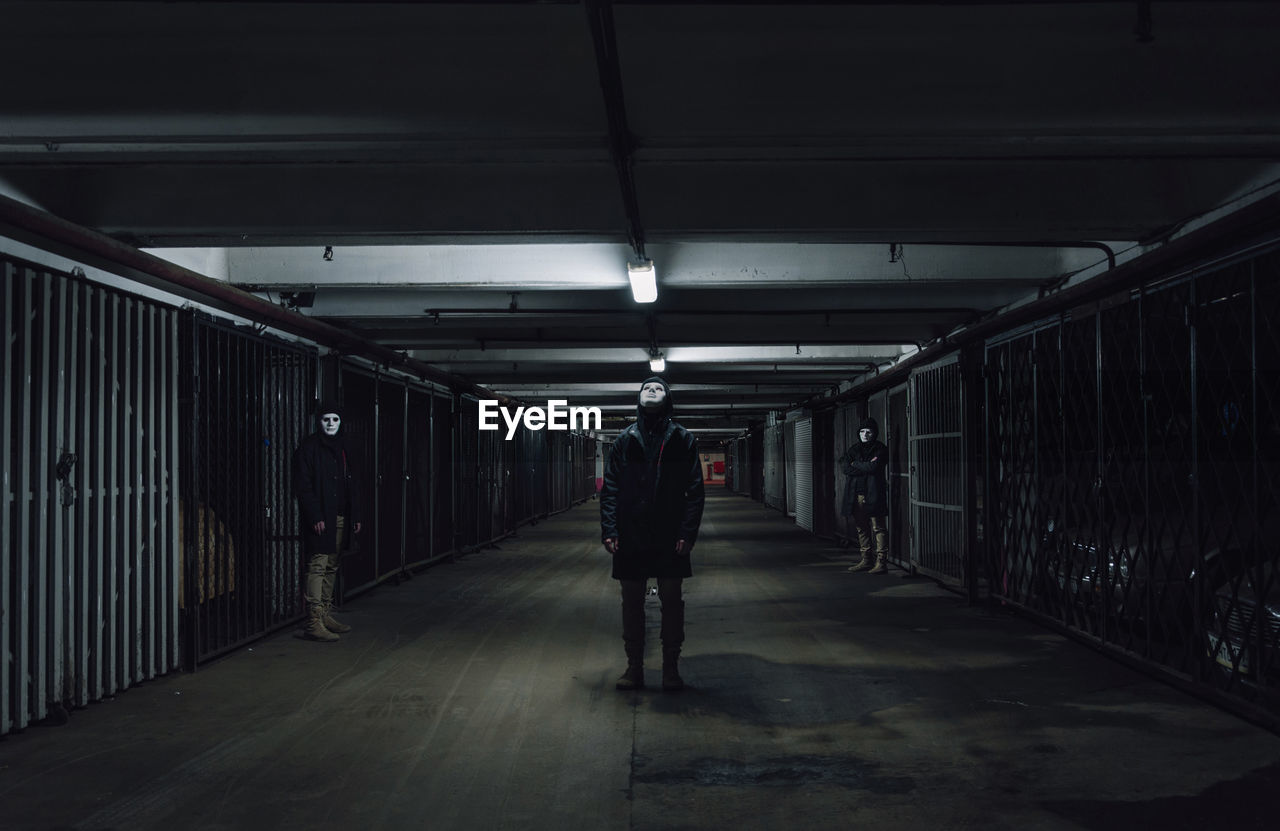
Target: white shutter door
(804, 473)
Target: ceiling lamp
(644, 281)
(657, 363)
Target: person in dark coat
(329, 502)
(650, 509)
(865, 499)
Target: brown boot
(671, 680)
(880, 568)
(861, 565)
(632, 678)
(332, 623)
(314, 630)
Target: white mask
(865, 435)
(652, 395)
(329, 423)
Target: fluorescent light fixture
(657, 363)
(644, 281)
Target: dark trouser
(633, 616)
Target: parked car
(1148, 572)
(1243, 625)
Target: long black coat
(649, 505)
(862, 474)
(326, 486)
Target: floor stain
(845, 772)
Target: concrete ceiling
(483, 171)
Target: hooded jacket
(652, 495)
(326, 486)
(864, 465)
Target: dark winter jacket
(864, 466)
(326, 486)
(652, 497)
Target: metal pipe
(1250, 225)
(621, 142)
(8, 300)
(93, 248)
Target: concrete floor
(480, 696)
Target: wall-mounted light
(298, 299)
(328, 253)
(657, 363)
(644, 281)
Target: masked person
(650, 510)
(864, 495)
(329, 502)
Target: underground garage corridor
(480, 695)
(625, 414)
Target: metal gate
(88, 508)
(804, 473)
(789, 466)
(246, 405)
(1132, 466)
(775, 478)
(936, 409)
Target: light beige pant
(870, 528)
(322, 569)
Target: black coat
(866, 476)
(647, 505)
(325, 483)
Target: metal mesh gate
(1132, 473)
(937, 467)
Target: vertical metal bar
(133, 449)
(8, 301)
(374, 464)
(456, 473)
(98, 440)
(79, 422)
(247, 486)
(116, 504)
(22, 590)
(230, 486)
(155, 526)
(224, 486)
(1193, 345)
(431, 476)
(57, 529)
(209, 551)
(240, 398)
(1103, 531)
(172, 467)
(42, 475)
(405, 465)
(160, 527)
(1146, 541)
(192, 525)
(991, 404)
(214, 548)
(268, 408)
(258, 564)
(163, 484)
(70, 420)
(1255, 502)
(234, 398)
